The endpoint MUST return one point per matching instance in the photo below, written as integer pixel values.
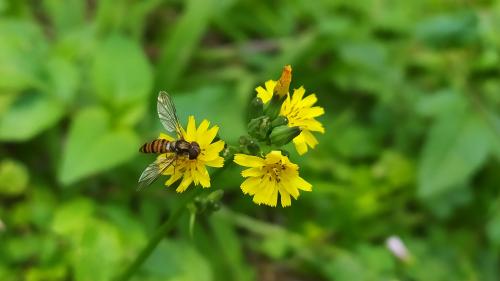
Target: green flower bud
(273, 108)
(282, 135)
(215, 196)
(248, 145)
(259, 127)
(253, 148)
(255, 109)
(279, 121)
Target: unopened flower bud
(255, 109)
(279, 121)
(282, 135)
(249, 145)
(215, 196)
(253, 148)
(259, 127)
(281, 88)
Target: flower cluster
(276, 117)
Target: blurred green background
(411, 91)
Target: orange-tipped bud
(283, 84)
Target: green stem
(163, 230)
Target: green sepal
(274, 106)
(255, 108)
(279, 121)
(259, 127)
(282, 135)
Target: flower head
(195, 170)
(268, 176)
(300, 112)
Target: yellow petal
(309, 138)
(270, 85)
(248, 160)
(309, 100)
(175, 177)
(202, 175)
(186, 181)
(212, 151)
(300, 183)
(273, 198)
(264, 95)
(300, 144)
(217, 162)
(207, 137)
(202, 129)
(191, 129)
(288, 186)
(311, 125)
(297, 95)
(273, 157)
(252, 172)
(262, 195)
(251, 185)
(312, 112)
(286, 107)
(285, 199)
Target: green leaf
(22, 50)
(439, 102)
(64, 79)
(493, 225)
(449, 30)
(29, 115)
(65, 15)
(97, 255)
(211, 103)
(180, 45)
(94, 145)
(175, 260)
(72, 217)
(121, 73)
(231, 254)
(456, 147)
(95, 245)
(14, 177)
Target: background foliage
(412, 143)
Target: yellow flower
(269, 176)
(266, 94)
(195, 170)
(300, 112)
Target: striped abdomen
(157, 146)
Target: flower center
(273, 171)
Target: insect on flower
(174, 149)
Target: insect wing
(167, 113)
(154, 170)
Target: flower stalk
(162, 231)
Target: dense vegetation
(411, 91)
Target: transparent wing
(167, 113)
(154, 170)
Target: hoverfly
(173, 149)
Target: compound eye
(192, 154)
